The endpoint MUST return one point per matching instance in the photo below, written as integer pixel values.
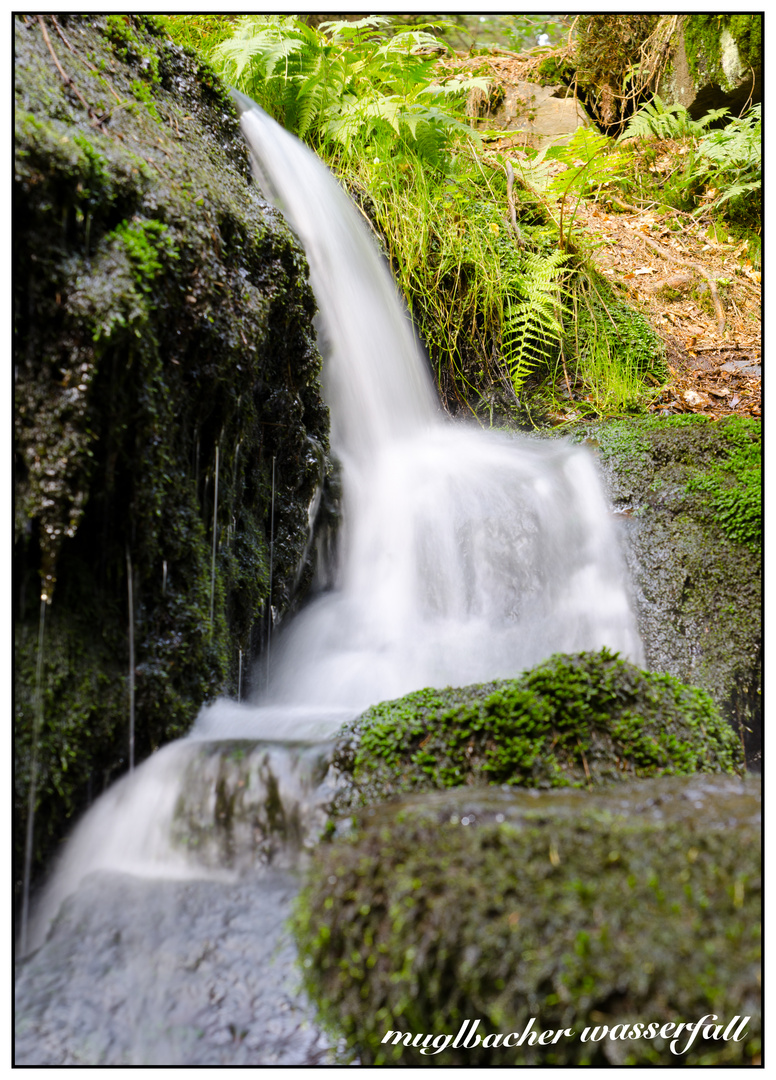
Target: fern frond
(531, 324)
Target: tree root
(511, 204)
(670, 256)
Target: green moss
(555, 69)
(686, 492)
(702, 35)
(725, 465)
(149, 246)
(734, 484)
(577, 719)
(640, 904)
(141, 92)
(124, 33)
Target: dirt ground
(713, 348)
(703, 297)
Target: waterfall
(464, 555)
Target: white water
(463, 555)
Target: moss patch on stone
(639, 904)
(582, 719)
(702, 41)
(687, 492)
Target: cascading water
(463, 555)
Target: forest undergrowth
(605, 274)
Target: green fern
(346, 83)
(658, 121)
(575, 168)
(730, 159)
(531, 324)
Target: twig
(86, 63)
(584, 762)
(624, 205)
(68, 81)
(722, 348)
(664, 253)
(565, 373)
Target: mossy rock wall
(636, 905)
(163, 350)
(715, 61)
(687, 492)
(701, 61)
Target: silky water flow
(463, 555)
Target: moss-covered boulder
(168, 422)
(699, 61)
(715, 61)
(582, 720)
(688, 494)
(568, 912)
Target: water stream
(463, 555)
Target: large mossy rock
(168, 413)
(581, 719)
(715, 61)
(636, 905)
(699, 61)
(688, 494)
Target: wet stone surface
(141, 972)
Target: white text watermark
(681, 1035)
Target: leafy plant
(201, 33)
(532, 316)
(466, 279)
(654, 120)
(724, 165)
(615, 349)
(343, 84)
(490, 300)
(730, 159)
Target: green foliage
(659, 121)
(614, 348)
(576, 909)
(492, 307)
(576, 719)
(200, 33)
(723, 169)
(345, 83)
(589, 159)
(729, 162)
(734, 484)
(465, 278)
(531, 322)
